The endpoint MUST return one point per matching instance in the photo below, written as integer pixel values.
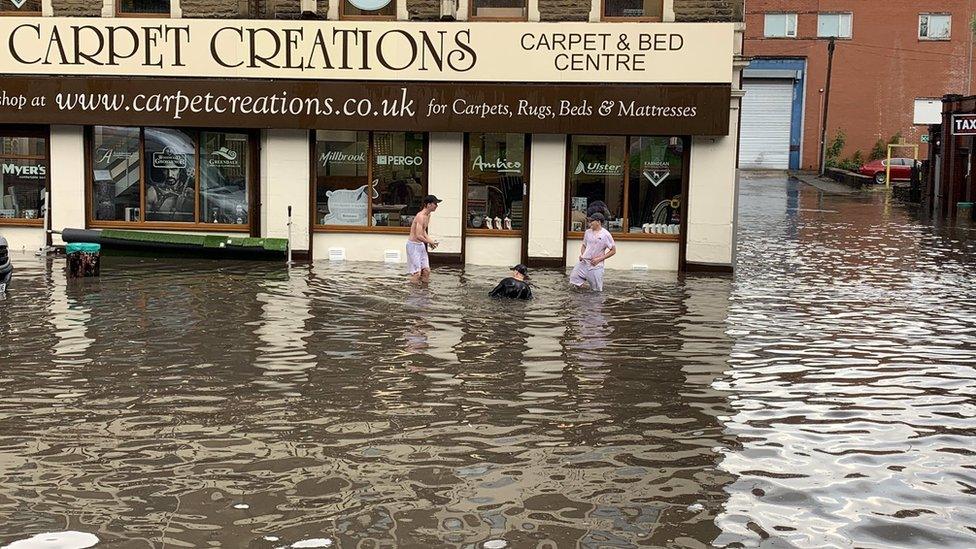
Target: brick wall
(77, 8)
(564, 10)
(218, 9)
(708, 10)
(424, 10)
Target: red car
(901, 168)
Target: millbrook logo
(339, 157)
(597, 168)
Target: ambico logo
(500, 165)
(597, 168)
(397, 160)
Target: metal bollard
(84, 259)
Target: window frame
(473, 17)
(368, 227)
(787, 36)
(502, 233)
(850, 34)
(344, 17)
(34, 131)
(948, 37)
(253, 194)
(39, 12)
(624, 19)
(686, 142)
(120, 13)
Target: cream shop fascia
(223, 126)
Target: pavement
(825, 184)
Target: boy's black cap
(431, 199)
(522, 270)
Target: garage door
(764, 141)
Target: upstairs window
(934, 26)
(643, 10)
(499, 10)
(20, 7)
(834, 25)
(780, 25)
(142, 7)
(367, 9)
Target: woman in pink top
(598, 246)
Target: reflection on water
(821, 397)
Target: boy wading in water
(418, 262)
(515, 286)
(598, 246)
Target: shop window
(166, 177)
(143, 7)
(502, 10)
(369, 179)
(224, 169)
(635, 182)
(934, 26)
(170, 175)
(367, 9)
(25, 7)
(780, 25)
(495, 179)
(834, 25)
(23, 177)
(644, 10)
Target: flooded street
(823, 396)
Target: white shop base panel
(634, 254)
(23, 239)
(493, 251)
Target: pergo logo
(26, 172)
(395, 160)
(370, 5)
(596, 168)
(224, 157)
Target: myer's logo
(395, 160)
(597, 168)
(499, 165)
(339, 157)
(370, 5)
(24, 171)
(224, 158)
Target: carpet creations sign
(618, 78)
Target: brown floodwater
(823, 396)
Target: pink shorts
(417, 259)
(584, 272)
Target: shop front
(332, 133)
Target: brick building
(888, 54)
(227, 116)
